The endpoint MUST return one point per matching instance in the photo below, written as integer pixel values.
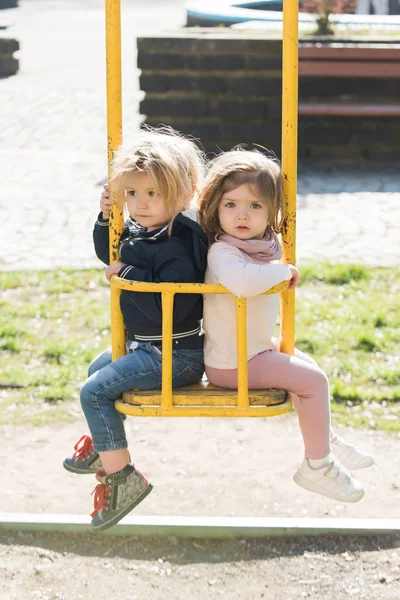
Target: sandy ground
(198, 467)
(219, 467)
(216, 467)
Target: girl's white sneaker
(332, 480)
(349, 456)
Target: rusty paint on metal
(183, 288)
(114, 136)
(289, 162)
(205, 411)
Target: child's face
(145, 204)
(242, 214)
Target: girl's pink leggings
(299, 374)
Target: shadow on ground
(180, 551)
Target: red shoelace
(83, 447)
(101, 494)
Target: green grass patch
(334, 274)
(348, 319)
(53, 323)
(51, 326)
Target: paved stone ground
(53, 149)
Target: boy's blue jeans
(140, 369)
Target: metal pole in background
(114, 137)
(289, 161)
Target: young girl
(241, 209)
(156, 177)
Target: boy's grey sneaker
(84, 460)
(117, 496)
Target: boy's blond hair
(174, 163)
(232, 169)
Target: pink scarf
(263, 251)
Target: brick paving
(53, 147)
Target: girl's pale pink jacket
(244, 277)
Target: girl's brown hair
(174, 163)
(232, 169)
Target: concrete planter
(225, 89)
(8, 3)
(8, 64)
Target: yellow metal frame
(114, 137)
(184, 402)
(290, 70)
(192, 401)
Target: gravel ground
(61, 567)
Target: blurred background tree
(324, 10)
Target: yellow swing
(204, 399)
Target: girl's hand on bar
(295, 276)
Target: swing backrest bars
(203, 399)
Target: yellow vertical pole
(114, 136)
(289, 160)
(166, 365)
(241, 341)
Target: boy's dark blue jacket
(158, 257)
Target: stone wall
(8, 4)
(225, 89)
(8, 64)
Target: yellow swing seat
(202, 399)
(205, 400)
